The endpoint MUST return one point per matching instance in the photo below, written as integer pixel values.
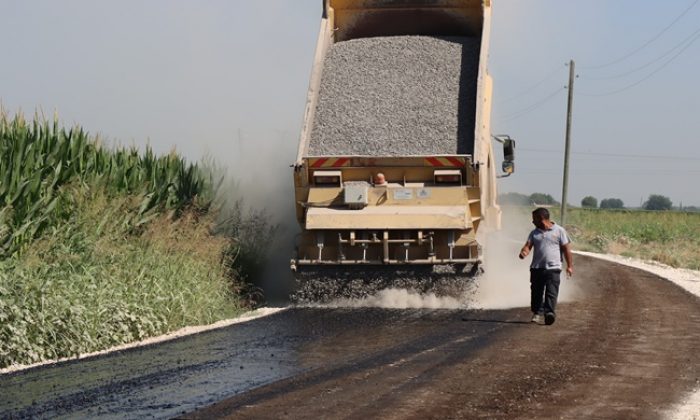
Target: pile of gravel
(403, 95)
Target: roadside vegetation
(668, 237)
(102, 246)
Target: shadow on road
(498, 321)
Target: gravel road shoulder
(182, 332)
(689, 407)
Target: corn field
(39, 159)
(102, 246)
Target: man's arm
(566, 248)
(525, 250)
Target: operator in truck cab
(380, 180)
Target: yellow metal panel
(395, 195)
(371, 4)
(390, 217)
(363, 18)
(325, 196)
(322, 45)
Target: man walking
(550, 241)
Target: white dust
(260, 180)
(506, 280)
(504, 284)
(400, 299)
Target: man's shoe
(549, 318)
(536, 318)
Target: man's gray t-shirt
(547, 245)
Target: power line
(646, 43)
(525, 149)
(697, 31)
(525, 111)
(532, 87)
(647, 76)
(583, 172)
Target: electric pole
(565, 187)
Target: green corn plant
(40, 158)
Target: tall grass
(102, 246)
(87, 286)
(669, 237)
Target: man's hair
(541, 212)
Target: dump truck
(395, 171)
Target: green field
(668, 237)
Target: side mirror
(509, 149)
(508, 165)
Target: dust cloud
(259, 181)
(400, 299)
(504, 284)
(506, 279)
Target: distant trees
(517, 199)
(589, 201)
(658, 202)
(514, 199)
(655, 202)
(542, 199)
(612, 203)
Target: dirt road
(625, 349)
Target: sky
(228, 79)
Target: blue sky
(638, 141)
(229, 78)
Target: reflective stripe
(318, 163)
(445, 161)
(329, 162)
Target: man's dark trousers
(544, 284)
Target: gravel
(323, 285)
(392, 96)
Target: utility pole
(565, 187)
